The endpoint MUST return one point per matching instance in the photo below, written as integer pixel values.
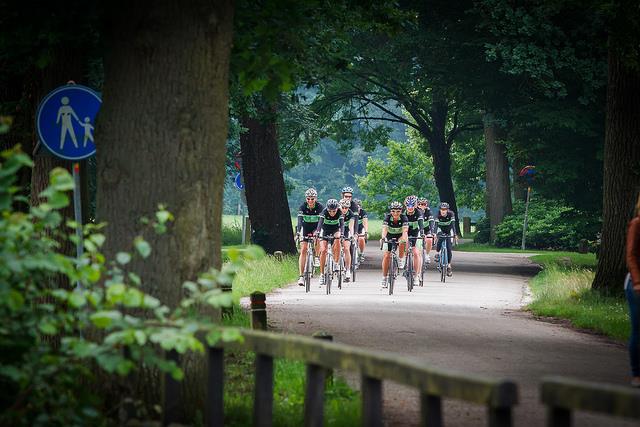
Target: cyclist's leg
(346, 250)
(449, 252)
(417, 259)
(402, 249)
(304, 246)
(386, 257)
(336, 248)
(323, 254)
(429, 244)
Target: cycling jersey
(446, 223)
(362, 214)
(428, 216)
(329, 224)
(347, 217)
(308, 218)
(394, 227)
(416, 222)
(354, 208)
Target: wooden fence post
(430, 410)
(258, 311)
(500, 417)
(558, 417)
(371, 402)
(215, 387)
(314, 396)
(263, 391)
(327, 337)
(172, 395)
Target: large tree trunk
(264, 182)
(621, 165)
(442, 157)
(497, 176)
(160, 137)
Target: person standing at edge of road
(446, 224)
(423, 205)
(395, 225)
(632, 291)
(308, 216)
(347, 233)
(331, 223)
(347, 193)
(363, 228)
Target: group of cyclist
(344, 220)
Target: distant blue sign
(238, 182)
(65, 121)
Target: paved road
(473, 323)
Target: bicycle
(408, 271)
(329, 264)
(393, 264)
(443, 261)
(308, 265)
(355, 255)
(341, 267)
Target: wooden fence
(321, 356)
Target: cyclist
(446, 223)
(394, 226)
(329, 224)
(347, 193)
(363, 228)
(308, 216)
(347, 233)
(416, 229)
(423, 205)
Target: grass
(342, 404)
(563, 290)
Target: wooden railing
(322, 356)
(562, 396)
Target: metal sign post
(526, 214)
(65, 123)
(528, 173)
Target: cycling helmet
(411, 201)
(358, 202)
(311, 192)
(423, 200)
(347, 190)
(332, 204)
(395, 205)
(345, 203)
(444, 205)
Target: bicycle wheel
(308, 271)
(354, 262)
(424, 267)
(409, 271)
(340, 271)
(328, 273)
(443, 262)
(392, 273)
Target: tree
(621, 146)
(404, 172)
(161, 136)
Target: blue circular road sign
(65, 121)
(238, 182)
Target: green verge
(342, 404)
(563, 290)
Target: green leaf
(115, 292)
(141, 337)
(104, 319)
(47, 327)
(61, 180)
(77, 299)
(163, 216)
(98, 239)
(231, 334)
(123, 258)
(134, 278)
(213, 337)
(142, 246)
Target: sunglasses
(395, 211)
(311, 199)
(347, 197)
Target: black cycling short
(330, 230)
(309, 228)
(387, 246)
(360, 228)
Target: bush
(55, 337)
(551, 225)
(483, 231)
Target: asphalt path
(473, 323)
